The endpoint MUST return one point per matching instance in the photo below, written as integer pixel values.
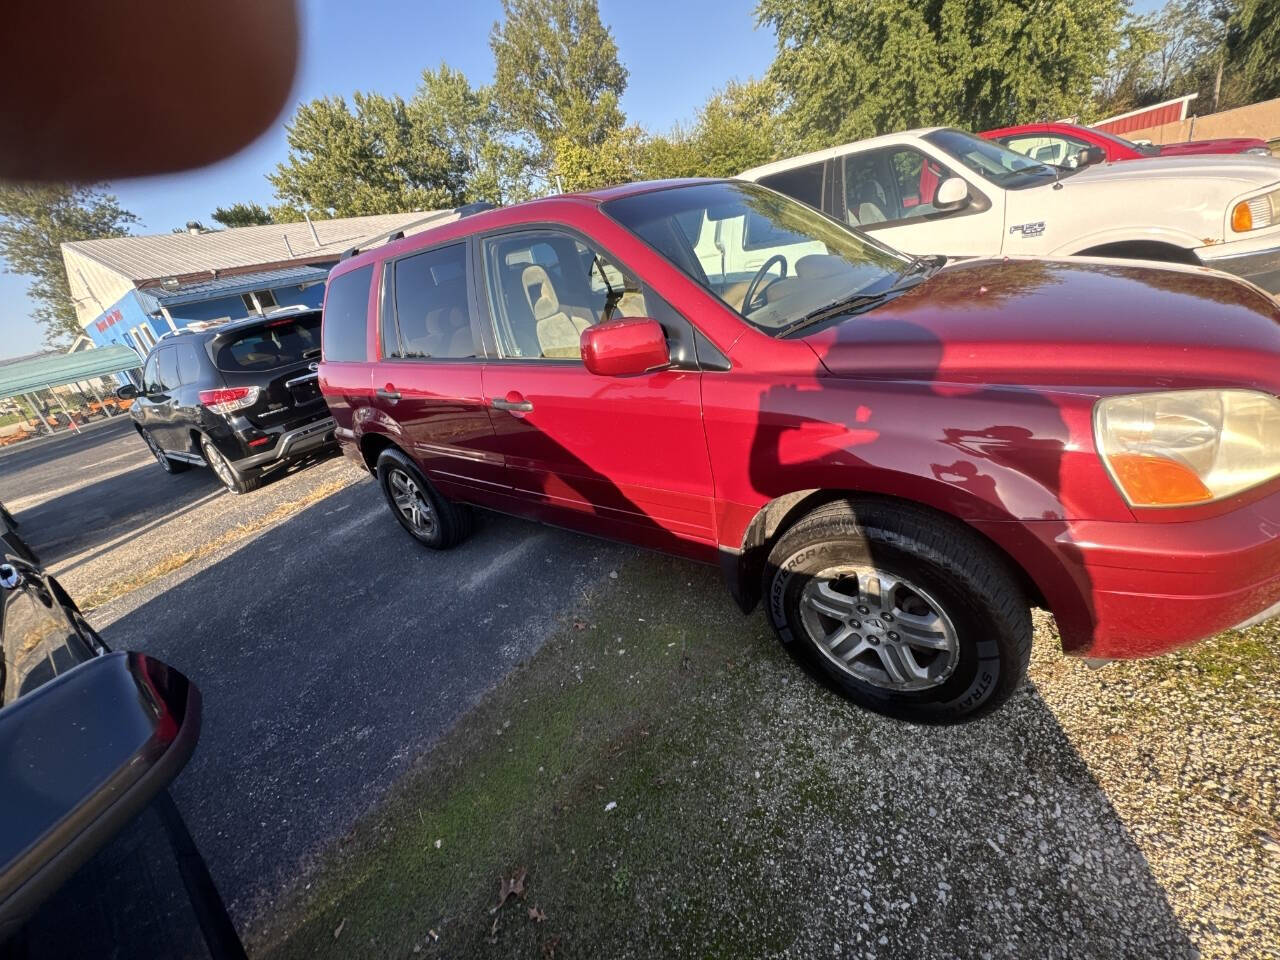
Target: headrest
(814, 266)
(543, 302)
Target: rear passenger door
(427, 378)
(623, 457)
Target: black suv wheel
(166, 464)
(232, 479)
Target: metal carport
(23, 376)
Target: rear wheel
(428, 517)
(231, 478)
(167, 465)
(905, 613)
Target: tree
(848, 69)
(242, 215)
(344, 162)
(35, 220)
(737, 128)
(557, 75)
(446, 109)
(1253, 49)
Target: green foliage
(557, 76)
(578, 166)
(849, 69)
(736, 129)
(1253, 49)
(242, 215)
(35, 220)
(346, 162)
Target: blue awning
(152, 298)
(25, 374)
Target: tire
(428, 517)
(904, 612)
(228, 475)
(166, 464)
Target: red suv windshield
(771, 259)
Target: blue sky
(677, 51)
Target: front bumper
(1248, 260)
(1120, 590)
(291, 444)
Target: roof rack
(466, 210)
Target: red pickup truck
(899, 455)
(1061, 144)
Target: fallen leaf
(508, 887)
(517, 882)
(536, 915)
(493, 932)
(579, 624)
(550, 947)
(337, 931)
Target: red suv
(1061, 144)
(901, 456)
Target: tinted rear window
(346, 306)
(276, 343)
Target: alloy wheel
(412, 503)
(155, 449)
(218, 463)
(880, 628)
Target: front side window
(1054, 148)
(546, 287)
(151, 375)
(811, 262)
(890, 185)
(346, 306)
(992, 161)
(427, 314)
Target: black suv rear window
(346, 307)
(276, 343)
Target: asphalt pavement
(331, 649)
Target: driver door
(888, 192)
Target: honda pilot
(900, 456)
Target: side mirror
(127, 392)
(1089, 156)
(952, 194)
(84, 753)
(625, 347)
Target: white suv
(939, 190)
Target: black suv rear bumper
(289, 444)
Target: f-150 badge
(1028, 229)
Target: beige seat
(448, 333)
(559, 326)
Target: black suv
(240, 398)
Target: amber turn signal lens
(1241, 218)
(1156, 481)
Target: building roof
(150, 259)
(1166, 111)
(39, 370)
(153, 298)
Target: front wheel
(167, 465)
(904, 612)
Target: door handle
(386, 394)
(521, 405)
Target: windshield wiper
(840, 307)
(921, 264)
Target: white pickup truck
(939, 190)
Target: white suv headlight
(1188, 446)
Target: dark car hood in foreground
(1065, 322)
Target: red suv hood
(1228, 145)
(1065, 322)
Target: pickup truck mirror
(624, 347)
(127, 392)
(952, 194)
(84, 753)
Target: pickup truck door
(888, 192)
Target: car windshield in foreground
(994, 161)
(771, 259)
(276, 343)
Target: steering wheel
(753, 288)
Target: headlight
(1188, 446)
(1257, 213)
(1259, 151)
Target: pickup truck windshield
(994, 162)
(771, 259)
